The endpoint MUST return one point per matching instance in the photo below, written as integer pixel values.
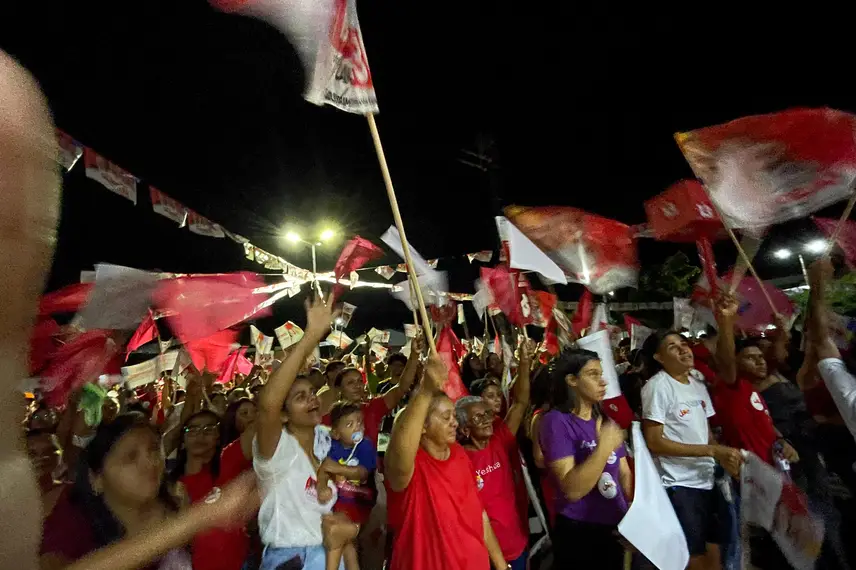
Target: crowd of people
(283, 468)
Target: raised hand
(726, 306)
(319, 317)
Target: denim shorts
(310, 558)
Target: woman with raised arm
(119, 514)
(287, 452)
(434, 509)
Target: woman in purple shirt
(585, 454)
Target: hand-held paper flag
(767, 169)
(595, 251)
(211, 352)
(69, 299)
(202, 305)
(450, 349)
(355, 254)
(237, 362)
(79, 361)
(146, 332)
(523, 254)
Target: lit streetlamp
(325, 235)
(814, 246)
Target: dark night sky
(580, 104)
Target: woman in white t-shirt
(287, 451)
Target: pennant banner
(109, 175)
(69, 150)
(167, 207)
(201, 225)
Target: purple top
(566, 435)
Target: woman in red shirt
(201, 473)
(119, 513)
(434, 509)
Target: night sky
(575, 106)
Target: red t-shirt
(742, 414)
(437, 520)
(219, 548)
(498, 476)
(67, 532)
(373, 413)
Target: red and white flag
(341, 77)
(112, 177)
(523, 254)
(326, 35)
(767, 169)
(595, 251)
(385, 271)
(201, 225)
(69, 150)
(167, 207)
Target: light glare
(782, 253)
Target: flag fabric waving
(595, 251)
(767, 169)
(355, 254)
(846, 237)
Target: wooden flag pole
(839, 227)
(740, 251)
(396, 215)
(412, 304)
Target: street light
(816, 246)
(325, 235)
(782, 253)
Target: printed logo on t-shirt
(489, 469)
(684, 412)
(607, 487)
(589, 444)
(755, 399)
(479, 482)
(612, 458)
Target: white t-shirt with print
(290, 514)
(683, 409)
(842, 386)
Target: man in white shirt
(838, 379)
(675, 410)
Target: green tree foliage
(675, 277)
(841, 296)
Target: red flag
(355, 254)
(237, 362)
(211, 352)
(146, 332)
(66, 300)
(629, 321)
(450, 350)
(846, 237)
(503, 285)
(78, 362)
(541, 305)
(590, 249)
(767, 169)
(200, 305)
(42, 344)
(583, 315)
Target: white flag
(651, 509)
(526, 255)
